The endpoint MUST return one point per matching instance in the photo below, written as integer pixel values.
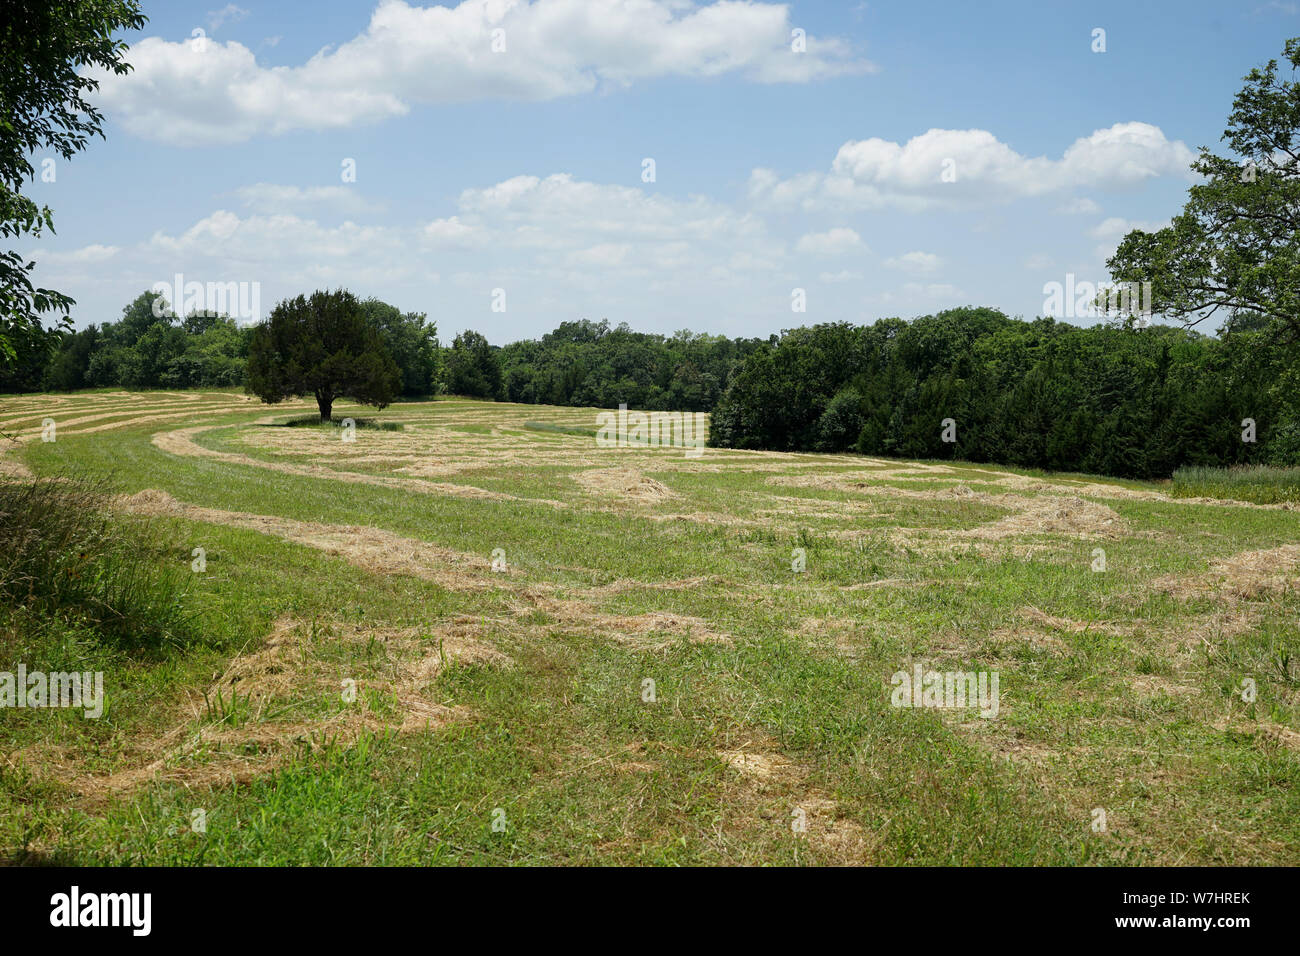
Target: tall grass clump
(64, 554)
(1263, 484)
(561, 429)
(314, 421)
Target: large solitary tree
(45, 48)
(1235, 248)
(324, 346)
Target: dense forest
(1110, 399)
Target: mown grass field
(498, 590)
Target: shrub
(64, 553)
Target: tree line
(968, 383)
(588, 364)
(973, 384)
(151, 347)
(581, 363)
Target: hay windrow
(181, 442)
(208, 746)
(369, 548)
(1059, 515)
(1246, 576)
(1074, 627)
(623, 484)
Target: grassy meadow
(463, 633)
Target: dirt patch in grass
(777, 790)
(12, 469)
(639, 629)
(371, 549)
(623, 484)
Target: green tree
(44, 50)
(412, 340)
(473, 367)
(322, 346)
(1236, 245)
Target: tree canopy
(1235, 248)
(1134, 403)
(44, 50)
(325, 346)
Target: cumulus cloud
(451, 232)
(1116, 227)
(191, 94)
(551, 236)
(945, 168)
(914, 262)
(293, 248)
(1111, 230)
(568, 220)
(834, 242)
(277, 197)
(922, 295)
(227, 14)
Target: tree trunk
(325, 403)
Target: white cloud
(945, 168)
(844, 275)
(450, 231)
(86, 254)
(915, 262)
(921, 296)
(411, 55)
(1116, 227)
(227, 14)
(545, 238)
(292, 249)
(276, 197)
(563, 219)
(932, 290)
(834, 242)
(1111, 230)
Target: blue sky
(522, 170)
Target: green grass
(560, 429)
(315, 421)
(64, 553)
(1132, 705)
(1264, 484)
